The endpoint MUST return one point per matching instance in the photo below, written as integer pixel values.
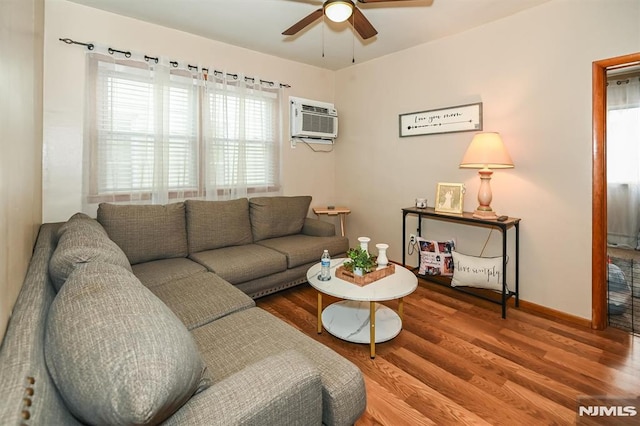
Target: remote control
(502, 218)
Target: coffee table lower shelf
(349, 320)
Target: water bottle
(325, 266)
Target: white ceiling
(258, 24)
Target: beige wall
(532, 71)
(64, 96)
(21, 26)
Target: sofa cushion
(80, 218)
(231, 343)
(279, 390)
(159, 272)
(146, 232)
(215, 224)
(301, 249)
(317, 228)
(82, 240)
(238, 264)
(201, 298)
(116, 353)
(277, 216)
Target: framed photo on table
(449, 198)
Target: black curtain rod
(127, 54)
(621, 82)
(89, 46)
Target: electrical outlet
(412, 238)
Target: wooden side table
(341, 211)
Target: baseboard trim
(529, 307)
(545, 311)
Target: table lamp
(486, 152)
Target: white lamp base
(484, 214)
(484, 210)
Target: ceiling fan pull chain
(323, 25)
(353, 40)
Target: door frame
(599, 185)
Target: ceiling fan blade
(307, 20)
(362, 24)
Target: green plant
(359, 258)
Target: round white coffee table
(358, 318)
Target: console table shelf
(468, 219)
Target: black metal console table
(468, 219)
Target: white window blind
(139, 122)
(245, 136)
(149, 133)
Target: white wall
(64, 96)
(532, 71)
(21, 27)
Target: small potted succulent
(360, 262)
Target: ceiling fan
(340, 11)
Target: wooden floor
(457, 362)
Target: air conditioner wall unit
(313, 120)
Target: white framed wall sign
(461, 118)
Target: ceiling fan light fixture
(338, 10)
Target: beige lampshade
(338, 10)
(486, 151)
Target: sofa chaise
(146, 316)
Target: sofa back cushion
(80, 219)
(273, 217)
(146, 232)
(82, 240)
(215, 224)
(116, 353)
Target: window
(623, 128)
(623, 160)
(244, 135)
(623, 136)
(157, 133)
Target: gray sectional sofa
(146, 316)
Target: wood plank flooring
(456, 362)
